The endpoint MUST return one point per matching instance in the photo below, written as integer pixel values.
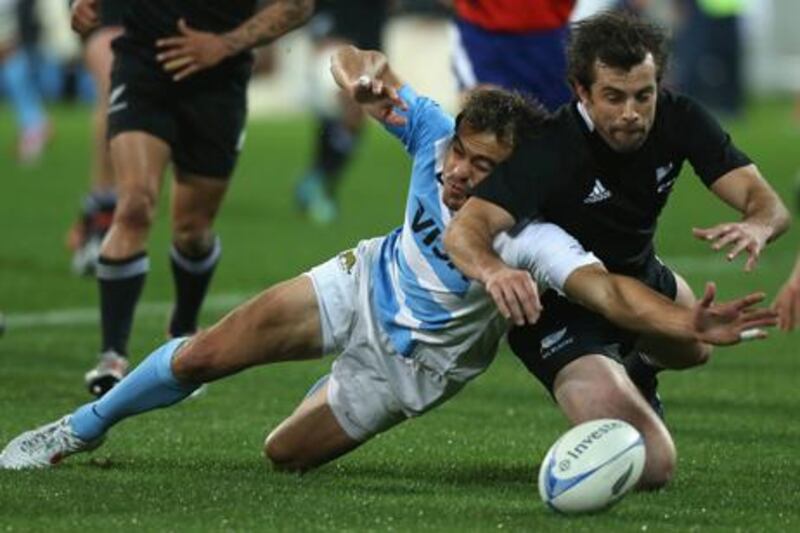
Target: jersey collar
(585, 116)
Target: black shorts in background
(111, 12)
(567, 331)
(359, 22)
(201, 118)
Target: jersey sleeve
(545, 250)
(709, 148)
(426, 122)
(521, 183)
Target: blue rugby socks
(150, 386)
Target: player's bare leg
(595, 386)
(195, 249)
(86, 234)
(280, 324)
(308, 438)
(139, 160)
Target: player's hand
(515, 294)
(83, 17)
(740, 236)
(191, 51)
(731, 322)
(787, 305)
(379, 99)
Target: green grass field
(467, 466)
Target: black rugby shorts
(567, 331)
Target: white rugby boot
(110, 370)
(44, 447)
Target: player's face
(622, 104)
(472, 155)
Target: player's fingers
(706, 233)
(742, 242)
(752, 259)
(178, 63)
(760, 313)
(724, 239)
(395, 119)
(752, 334)
(185, 73)
(709, 294)
(171, 53)
(183, 27)
(497, 295)
(514, 305)
(531, 307)
(395, 98)
(170, 42)
(752, 299)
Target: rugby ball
(591, 466)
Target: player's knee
(283, 456)
(136, 212)
(661, 458)
(193, 241)
(197, 360)
(659, 470)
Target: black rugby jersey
(146, 21)
(607, 200)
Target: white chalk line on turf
(692, 265)
(91, 315)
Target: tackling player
(410, 329)
(603, 170)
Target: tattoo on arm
(268, 24)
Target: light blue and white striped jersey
(418, 295)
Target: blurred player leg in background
(17, 79)
(339, 120)
(514, 44)
(86, 234)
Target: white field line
(91, 315)
(692, 265)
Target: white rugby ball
(592, 466)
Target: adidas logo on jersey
(598, 194)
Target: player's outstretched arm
(632, 305)
(468, 241)
(764, 216)
(787, 303)
(366, 77)
(191, 51)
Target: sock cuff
(113, 269)
(164, 363)
(194, 265)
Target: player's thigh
(280, 324)
(195, 202)
(595, 386)
(309, 437)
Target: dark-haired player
(409, 328)
(603, 170)
(178, 95)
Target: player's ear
(581, 91)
